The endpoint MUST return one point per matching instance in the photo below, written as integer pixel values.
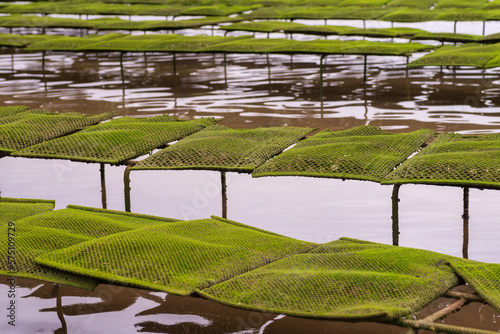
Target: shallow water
(247, 91)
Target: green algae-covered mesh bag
(46, 232)
(33, 128)
(453, 159)
(464, 55)
(12, 209)
(221, 148)
(8, 111)
(363, 153)
(344, 279)
(176, 257)
(69, 43)
(117, 140)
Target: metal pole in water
(224, 194)
(465, 216)
(103, 186)
(395, 214)
(484, 27)
(455, 27)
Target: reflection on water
(45, 307)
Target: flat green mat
(291, 27)
(465, 55)
(344, 279)
(12, 209)
(362, 153)
(453, 159)
(96, 8)
(285, 46)
(117, 140)
(66, 43)
(13, 40)
(47, 232)
(221, 148)
(349, 12)
(176, 257)
(30, 128)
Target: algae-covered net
(117, 140)
(12, 209)
(363, 153)
(464, 55)
(50, 231)
(176, 257)
(221, 148)
(344, 279)
(484, 277)
(9, 111)
(453, 159)
(30, 128)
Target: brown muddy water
(247, 91)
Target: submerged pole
(60, 314)
(174, 64)
(224, 194)
(268, 71)
(321, 76)
(225, 69)
(43, 71)
(103, 186)
(455, 27)
(395, 214)
(406, 67)
(465, 216)
(484, 27)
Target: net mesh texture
(176, 257)
(221, 148)
(453, 159)
(117, 140)
(362, 153)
